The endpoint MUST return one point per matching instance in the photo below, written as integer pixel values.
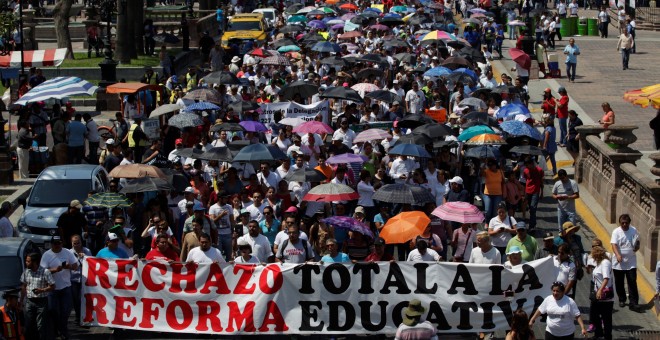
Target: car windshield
(245, 26)
(268, 15)
(59, 193)
(12, 267)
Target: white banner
(293, 110)
(360, 298)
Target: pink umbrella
(379, 27)
(313, 127)
(363, 88)
(371, 134)
(461, 212)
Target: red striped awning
(35, 58)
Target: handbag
(607, 293)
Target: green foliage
(7, 23)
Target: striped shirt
(33, 279)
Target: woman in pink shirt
(608, 118)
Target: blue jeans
(563, 130)
(570, 71)
(37, 323)
(59, 304)
(532, 204)
(553, 161)
(625, 56)
(512, 30)
(490, 205)
(564, 216)
(224, 245)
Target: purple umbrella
(348, 16)
(318, 24)
(346, 158)
(252, 126)
(344, 222)
(337, 26)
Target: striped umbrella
(438, 35)
(313, 127)
(276, 60)
(58, 88)
(461, 212)
(371, 134)
(403, 194)
(331, 192)
(108, 200)
(486, 138)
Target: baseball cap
(514, 250)
(548, 236)
(561, 89)
(178, 141)
(291, 209)
(457, 180)
(521, 225)
(198, 207)
(55, 239)
(395, 81)
(547, 90)
(112, 237)
(189, 190)
(110, 142)
(241, 242)
(75, 204)
(359, 210)
(244, 211)
(396, 102)
(379, 241)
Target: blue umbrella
(483, 151)
(326, 46)
(438, 71)
(288, 48)
(201, 106)
(318, 24)
(58, 88)
(392, 15)
(467, 72)
(474, 131)
(517, 128)
(412, 150)
(511, 110)
(259, 152)
(371, 9)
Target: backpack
(304, 243)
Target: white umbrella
(164, 109)
(58, 88)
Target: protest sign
(357, 128)
(293, 110)
(359, 298)
(151, 128)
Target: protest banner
(293, 110)
(359, 298)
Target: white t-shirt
(566, 270)
(501, 239)
(257, 213)
(601, 272)
(253, 259)
(626, 242)
(561, 314)
(429, 255)
(284, 235)
(197, 255)
(366, 191)
(260, 246)
(490, 257)
(51, 259)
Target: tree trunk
(61, 18)
(123, 41)
(132, 15)
(138, 7)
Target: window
(245, 26)
(59, 192)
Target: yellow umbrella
(649, 95)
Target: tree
(61, 17)
(122, 41)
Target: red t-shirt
(373, 257)
(170, 254)
(562, 108)
(534, 182)
(172, 239)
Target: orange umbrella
(404, 227)
(649, 95)
(486, 138)
(349, 7)
(331, 2)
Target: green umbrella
(108, 200)
(399, 9)
(297, 18)
(474, 131)
(327, 10)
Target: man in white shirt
(415, 99)
(244, 170)
(60, 263)
(396, 89)
(573, 8)
(487, 254)
(205, 253)
(188, 196)
(625, 244)
(267, 178)
(488, 82)
(423, 253)
(347, 135)
(256, 210)
(261, 248)
(401, 168)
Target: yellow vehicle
(245, 26)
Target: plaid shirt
(41, 278)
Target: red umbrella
(349, 7)
(520, 57)
(260, 52)
(331, 192)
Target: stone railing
(606, 169)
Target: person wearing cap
(412, 327)
(188, 196)
(36, 283)
(565, 191)
(198, 214)
(244, 253)
(524, 242)
(11, 316)
(72, 222)
(457, 192)
(549, 247)
(487, 254)
(514, 257)
(205, 253)
(112, 156)
(332, 253)
(259, 244)
(549, 104)
(112, 250)
(60, 263)
(625, 243)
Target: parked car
(270, 14)
(51, 195)
(13, 251)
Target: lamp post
(20, 29)
(108, 65)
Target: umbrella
(291, 121)
(294, 8)
(511, 110)
(291, 29)
(526, 150)
(306, 10)
(474, 115)
(346, 158)
(297, 18)
(350, 35)
(419, 20)
(473, 102)
(373, 58)
(317, 24)
(433, 130)
(108, 200)
(260, 52)
(368, 15)
(481, 91)
(184, 120)
(340, 92)
(58, 88)
(301, 87)
(259, 152)
(472, 54)
(437, 35)
(395, 43)
(502, 89)
(398, 9)
(383, 96)
(227, 127)
(472, 21)
(349, 223)
(350, 7)
(165, 109)
(412, 150)
(136, 171)
(189, 152)
(414, 120)
(520, 57)
(477, 10)
(326, 46)
(176, 179)
(244, 106)
(252, 126)
(334, 61)
(314, 13)
(644, 97)
(218, 77)
(460, 77)
(474, 131)
(413, 138)
(365, 87)
(146, 184)
(379, 27)
(283, 42)
(204, 95)
(391, 21)
(460, 212)
(166, 38)
(330, 192)
(276, 60)
(371, 135)
(517, 128)
(313, 127)
(305, 175)
(438, 71)
(467, 72)
(221, 154)
(370, 72)
(288, 48)
(486, 138)
(201, 106)
(403, 194)
(404, 227)
(405, 57)
(483, 151)
(434, 5)
(456, 62)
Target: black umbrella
(340, 92)
(236, 146)
(501, 89)
(414, 120)
(405, 57)
(369, 14)
(227, 127)
(372, 58)
(442, 143)
(222, 77)
(334, 61)
(473, 54)
(421, 68)
(479, 92)
(189, 152)
(456, 62)
(488, 122)
(350, 60)
(419, 20)
(291, 29)
(176, 179)
(369, 72)
(483, 151)
(526, 150)
(221, 154)
(433, 130)
(414, 138)
(305, 175)
(301, 87)
(474, 115)
(395, 43)
(294, 8)
(259, 152)
(384, 96)
(403, 194)
(244, 106)
(166, 38)
(284, 42)
(391, 21)
(462, 77)
(360, 20)
(145, 184)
